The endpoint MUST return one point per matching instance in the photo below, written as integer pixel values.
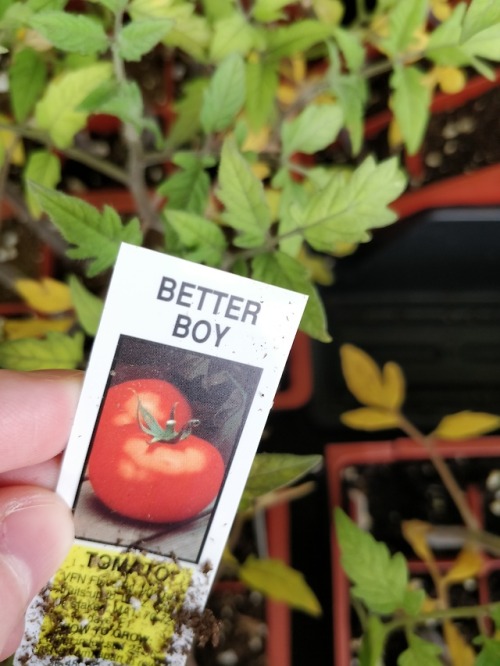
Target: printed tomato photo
(146, 461)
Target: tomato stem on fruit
(169, 434)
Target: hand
(36, 528)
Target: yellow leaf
(344, 249)
(461, 653)
(256, 142)
(17, 329)
(370, 418)
(280, 582)
(273, 198)
(463, 425)
(394, 135)
(319, 267)
(394, 384)
(329, 11)
(298, 68)
(367, 383)
(429, 605)
(415, 532)
(46, 295)
(11, 143)
(260, 169)
(451, 80)
(287, 94)
(380, 25)
(441, 9)
(467, 565)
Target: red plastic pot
(337, 459)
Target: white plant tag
(179, 385)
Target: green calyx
(169, 434)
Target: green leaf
(420, 652)
(188, 188)
(296, 37)
(411, 105)
(351, 91)
(55, 351)
(232, 34)
(267, 11)
(44, 169)
(284, 271)
(372, 643)
(485, 44)
(443, 46)
(224, 96)
(45, 5)
(187, 113)
(315, 128)
(191, 32)
(490, 653)
(242, 193)
(351, 46)
(123, 100)
(261, 88)
(481, 17)
(27, 77)
(88, 307)
(57, 111)
(379, 579)
(96, 235)
(271, 471)
(351, 204)
(404, 19)
(203, 241)
(75, 33)
(216, 9)
(280, 582)
(413, 600)
(113, 5)
(293, 195)
(139, 37)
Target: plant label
(179, 385)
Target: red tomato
(134, 471)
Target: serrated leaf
(96, 235)
(17, 329)
(296, 37)
(404, 20)
(224, 96)
(57, 111)
(75, 33)
(413, 601)
(468, 564)
(411, 105)
(271, 471)
(88, 306)
(485, 44)
(44, 168)
(443, 46)
(460, 651)
(231, 34)
(55, 351)
(283, 271)
(242, 193)
(138, 37)
(352, 93)
(261, 87)
(202, 241)
(372, 643)
(315, 128)
(463, 425)
(27, 77)
(46, 295)
(122, 100)
(280, 582)
(370, 418)
(368, 383)
(349, 205)
(420, 652)
(379, 579)
(191, 32)
(188, 188)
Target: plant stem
(444, 472)
(135, 163)
(457, 613)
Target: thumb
(36, 531)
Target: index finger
(36, 413)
